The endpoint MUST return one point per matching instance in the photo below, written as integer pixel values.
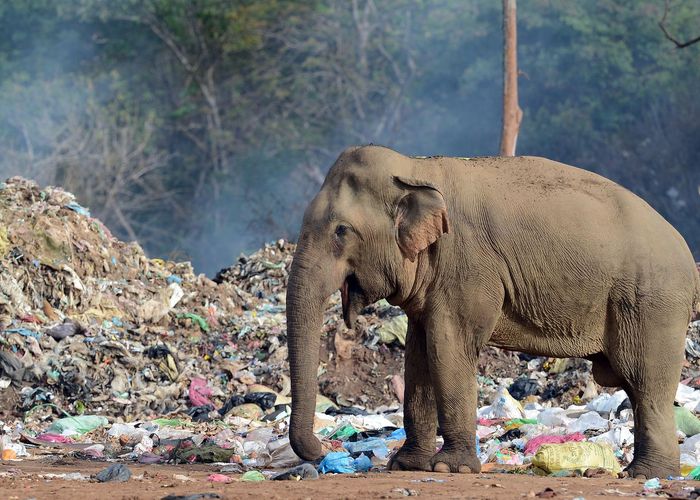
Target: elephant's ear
(421, 217)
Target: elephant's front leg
(420, 416)
(453, 352)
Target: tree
(512, 114)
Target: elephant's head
(362, 234)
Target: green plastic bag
(71, 426)
(344, 432)
(253, 476)
(170, 422)
(686, 421)
(201, 322)
(694, 474)
(394, 330)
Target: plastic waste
(114, 473)
(690, 450)
(337, 461)
(607, 403)
(252, 476)
(196, 318)
(200, 413)
(693, 474)
(376, 445)
(576, 456)
(53, 438)
(688, 397)
(65, 329)
(523, 387)
(553, 417)
(301, 472)
(219, 478)
(652, 484)
(502, 406)
(128, 431)
(281, 453)
(199, 392)
(250, 411)
(534, 444)
(265, 400)
(344, 432)
(617, 437)
(587, 421)
(686, 421)
(393, 330)
(362, 463)
(71, 426)
(508, 457)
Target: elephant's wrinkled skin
(521, 253)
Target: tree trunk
(512, 114)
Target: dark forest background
(201, 128)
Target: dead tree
(512, 114)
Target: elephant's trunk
(305, 303)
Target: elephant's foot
(462, 461)
(647, 469)
(408, 458)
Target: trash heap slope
(89, 322)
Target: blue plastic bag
(341, 462)
(375, 445)
(337, 461)
(397, 435)
(362, 463)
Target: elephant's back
(575, 219)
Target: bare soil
(21, 481)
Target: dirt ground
(20, 480)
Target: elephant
(523, 253)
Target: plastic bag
(376, 445)
(282, 454)
(115, 472)
(343, 463)
(336, 461)
(534, 444)
(199, 392)
(301, 472)
(576, 456)
(618, 438)
(686, 421)
(607, 403)
(82, 424)
(502, 406)
(588, 421)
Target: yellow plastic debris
(576, 456)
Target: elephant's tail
(696, 301)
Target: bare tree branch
(662, 25)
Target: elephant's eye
(341, 230)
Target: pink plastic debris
(534, 444)
(54, 438)
(200, 392)
(219, 478)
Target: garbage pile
(108, 354)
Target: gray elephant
(522, 253)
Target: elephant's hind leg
(647, 352)
(603, 372)
(420, 415)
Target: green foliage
(235, 108)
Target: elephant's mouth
(351, 294)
